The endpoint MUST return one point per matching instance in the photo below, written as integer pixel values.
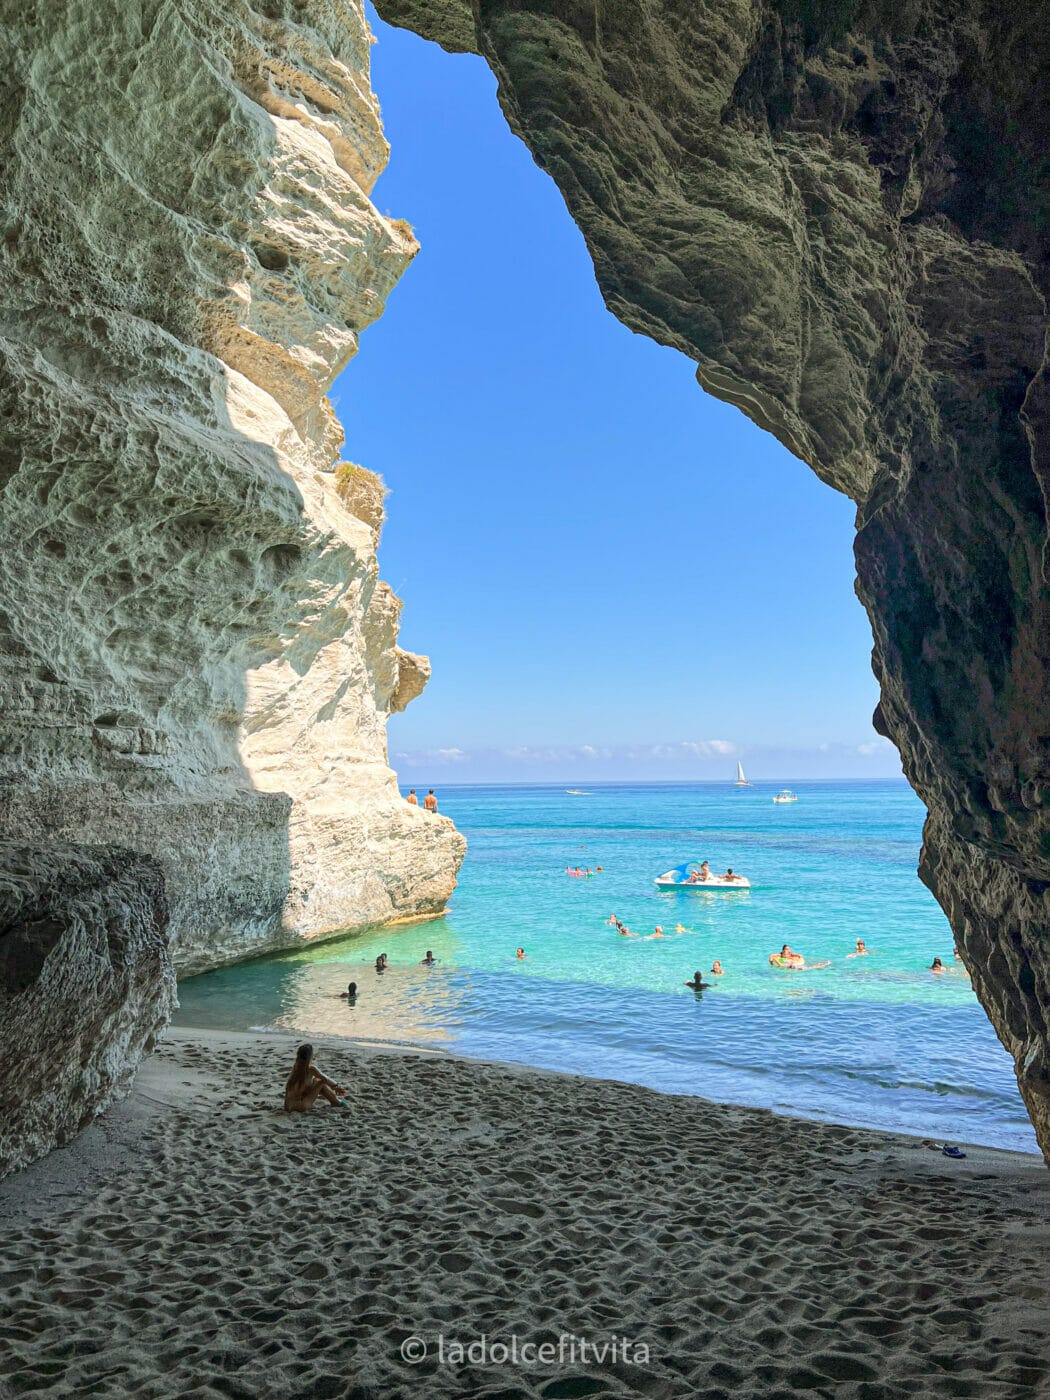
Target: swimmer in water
(937, 966)
(624, 931)
(717, 969)
(381, 963)
(787, 957)
(429, 960)
(597, 870)
(350, 994)
(520, 953)
(861, 952)
(657, 932)
(613, 921)
(697, 982)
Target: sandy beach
(474, 1229)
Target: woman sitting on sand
(307, 1084)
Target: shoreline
(196, 1235)
(408, 1047)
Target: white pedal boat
(678, 879)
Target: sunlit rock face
(839, 209)
(197, 658)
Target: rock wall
(197, 658)
(840, 210)
(85, 984)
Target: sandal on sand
(952, 1151)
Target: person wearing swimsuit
(306, 1084)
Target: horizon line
(657, 782)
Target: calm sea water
(877, 1041)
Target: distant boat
(577, 792)
(741, 781)
(785, 795)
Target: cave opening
(567, 476)
(567, 510)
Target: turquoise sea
(878, 1041)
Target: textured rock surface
(839, 209)
(85, 983)
(196, 656)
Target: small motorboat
(688, 877)
(785, 795)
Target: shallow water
(877, 1041)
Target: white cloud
(433, 756)
(874, 746)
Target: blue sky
(615, 575)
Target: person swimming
(787, 957)
(657, 932)
(429, 960)
(717, 969)
(937, 966)
(306, 1084)
(520, 953)
(381, 963)
(697, 982)
(681, 928)
(861, 950)
(350, 994)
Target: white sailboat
(741, 781)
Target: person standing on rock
(412, 799)
(430, 802)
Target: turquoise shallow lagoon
(877, 1041)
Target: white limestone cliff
(197, 657)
